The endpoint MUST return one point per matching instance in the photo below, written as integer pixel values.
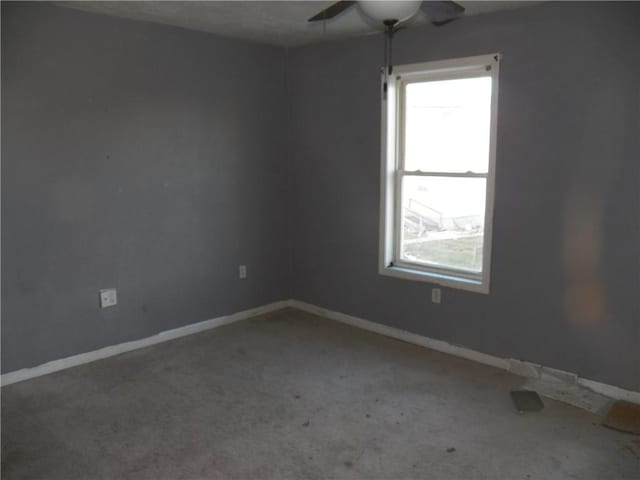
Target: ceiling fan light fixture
(381, 11)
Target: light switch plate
(242, 271)
(108, 297)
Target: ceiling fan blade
(441, 13)
(331, 11)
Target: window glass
(447, 125)
(442, 221)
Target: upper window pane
(447, 125)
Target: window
(438, 171)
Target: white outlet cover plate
(436, 295)
(108, 297)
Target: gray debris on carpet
(526, 401)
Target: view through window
(446, 161)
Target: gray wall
(565, 277)
(156, 160)
(136, 156)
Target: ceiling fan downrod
(388, 62)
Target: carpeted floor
(292, 395)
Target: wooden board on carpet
(623, 416)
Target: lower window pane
(442, 221)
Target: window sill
(452, 281)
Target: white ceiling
(281, 23)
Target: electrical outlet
(242, 271)
(108, 297)
(436, 295)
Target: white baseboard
(518, 367)
(63, 363)
(403, 335)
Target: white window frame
(390, 201)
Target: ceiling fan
(391, 14)
(439, 12)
